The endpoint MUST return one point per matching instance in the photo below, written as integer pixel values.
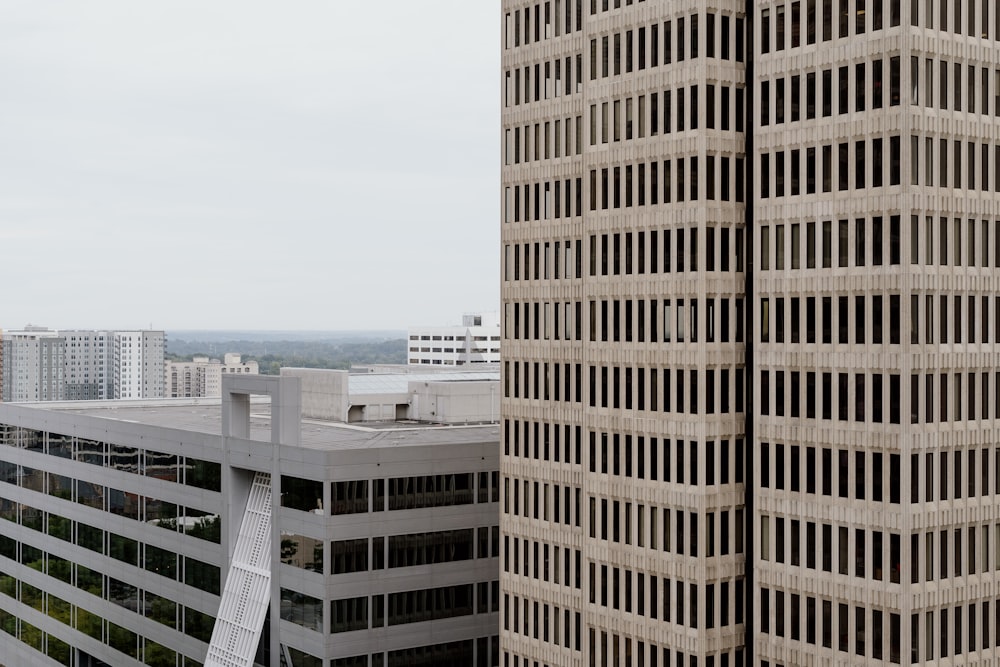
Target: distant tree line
(272, 355)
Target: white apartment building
(89, 365)
(750, 264)
(33, 365)
(138, 364)
(137, 532)
(44, 365)
(476, 341)
(202, 376)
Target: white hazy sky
(309, 164)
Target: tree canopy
(273, 355)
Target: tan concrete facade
(202, 377)
(622, 282)
(864, 157)
(876, 236)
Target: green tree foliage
(162, 610)
(88, 623)
(59, 650)
(31, 636)
(8, 622)
(61, 569)
(123, 640)
(8, 586)
(159, 656)
(273, 355)
(198, 625)
(60, 527)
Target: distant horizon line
(31, 327)
(283, 330)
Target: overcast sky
(310, 164)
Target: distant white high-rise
(40, 364)
(476, 341)
(89, 367)
(33, 368)
(138, 364)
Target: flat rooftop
(398, 383)
(204, 415)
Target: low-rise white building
(202, 377)
(467, 396)
(476, 341)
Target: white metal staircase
(248, 587)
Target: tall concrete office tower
(774, 446)
(623, 296)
